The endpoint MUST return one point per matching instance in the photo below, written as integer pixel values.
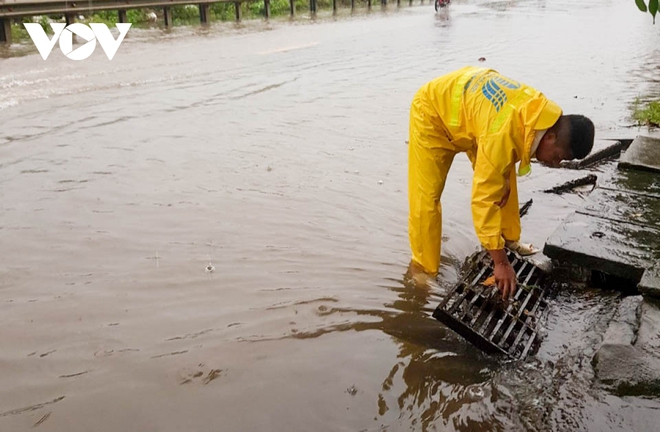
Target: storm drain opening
(602, 280)
(474, 308)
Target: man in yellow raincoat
(498, 122)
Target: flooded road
(210, 231)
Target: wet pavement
(275, 153)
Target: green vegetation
(647, 114)
(652, 7)
(18, 32)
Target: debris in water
(380, 182)
(213, 374)
(525, 208)
(210, 268)
(599, 156)
(269, 168)
(482, 59)
(75, 374)
(475, 392)
(190, 376)
(43, 419)
(570, 185)
(529, 314)
(352, 390)
(30, 408)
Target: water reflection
(438, 378)
(502, 5)
(438, 381)
(635, 180)
(433, 383)
(442, 18)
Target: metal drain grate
(477, 312)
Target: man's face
(551, 151)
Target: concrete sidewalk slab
(643, 154)
(617, 248)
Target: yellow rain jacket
(494, 120)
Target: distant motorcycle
(441, 3)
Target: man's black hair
(582, 135)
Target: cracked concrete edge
(625, 323)
(619, 338)
(618, 363)
(649, 285)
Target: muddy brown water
(276, 153)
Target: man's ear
(550, 137)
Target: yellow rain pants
(494, 120)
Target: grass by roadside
(646, 113)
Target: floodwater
(209, 232)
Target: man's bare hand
(505, 278)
